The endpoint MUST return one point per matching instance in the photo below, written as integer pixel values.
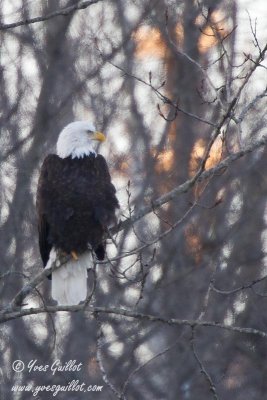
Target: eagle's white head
(78, 139)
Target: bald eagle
(76, 203)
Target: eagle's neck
(76, 152)
(81, 152)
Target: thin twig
(238, 289)
(140, 367)
(162, 97)
(99, 359)
(202, 368)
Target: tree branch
(186, 186)
(63, 12)
(17, 300)
(4, 317)
(202, 368)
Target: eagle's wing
(106, 212)
(49, 168)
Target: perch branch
(8, 316)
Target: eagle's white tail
(69, 282)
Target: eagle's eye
(89, 131)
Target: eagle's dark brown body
(76, 202)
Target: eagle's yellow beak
(99, 136)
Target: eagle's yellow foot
(74, 255)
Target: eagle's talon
(74, 255)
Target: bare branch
(196, 64)
(199, 177)
(202, 368)
(99, 359)
(163, 98)
(17, 300)
(238, 289)
(8, 316)
(62, 12)
(140, 367)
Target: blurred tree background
(165, 80)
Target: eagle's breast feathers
(76, 203)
